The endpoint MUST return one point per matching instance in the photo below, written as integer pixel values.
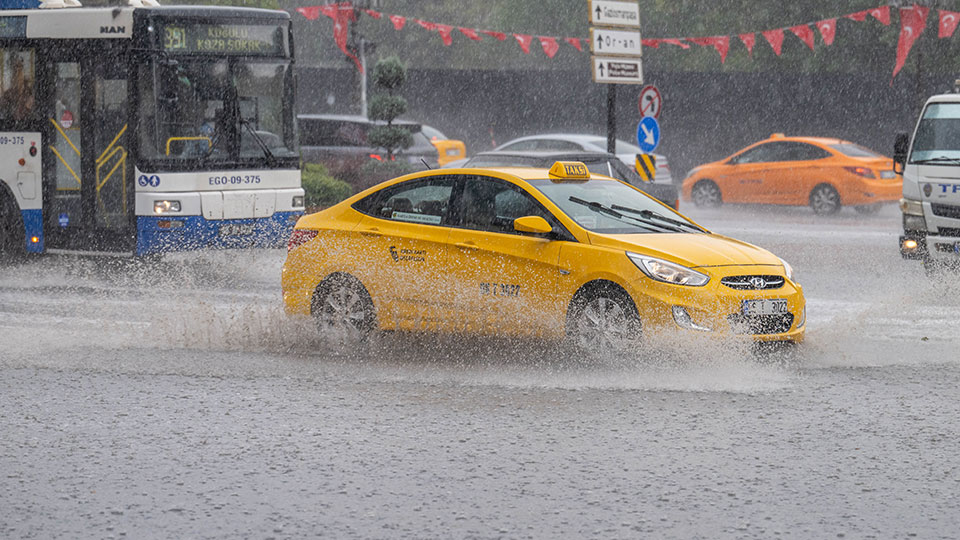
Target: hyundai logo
(758, 282)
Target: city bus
(140, 131)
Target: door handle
(467, 245)
(372, 231)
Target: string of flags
(913, 21)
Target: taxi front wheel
(343, 310)
(603, 322)
(706, 194)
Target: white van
(930, 164)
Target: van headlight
(787, 269)
(668, 272)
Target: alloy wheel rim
(604, 326)
(824, 200)
(343, 314)
(706, 195)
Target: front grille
(753, 283)
(760, 324)
(946, 210)
(948, 231)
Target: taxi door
(753, 175)
(400, 253)
(505, 281)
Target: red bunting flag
(311, 13)
(398, 21)
(749, 40)
(805, 34)
(575, 42)
(881, 14)
(674, 41)
(948, 23)
(342, 14)
(500, 36)
(828, 29)
(859, 16)
(524, 41)
(426, 24)
(444, 30)
(720, 43)
(470, 33)
(652, 43)
(775, 38)
(372, 13)
(912, 22)
(550, 46)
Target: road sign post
(617, 48)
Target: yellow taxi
(524, 251)
(822, 172)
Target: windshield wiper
(271, 159)
(597, 207)
(940, 159)
(650, 214)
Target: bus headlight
(166, 207)
(297, 201)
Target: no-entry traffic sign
(650, 102)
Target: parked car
(822, 172)
(592, 143)
(449, 149)
(597, 162)
(340, 143)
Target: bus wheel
(11, 230)
(343, 310)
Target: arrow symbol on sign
(598, 12)
(601, 69)
(647, 134)
(599, 41)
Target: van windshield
(938, 135)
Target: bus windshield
(206, 112)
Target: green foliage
(321, 189)
(386, 108)
(390, 138)
(389, 74)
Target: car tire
(12, 240)
(867, 209)
(603, 321)
(343, 310)
(824, 200)
(706, 194)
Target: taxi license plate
(236, 229)
(764, 306)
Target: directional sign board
(651, 102)
(614, 13)
(648, 134)
(617, 70)
(615, 42)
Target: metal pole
(363, 77)
(611, 118)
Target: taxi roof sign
(569, 170)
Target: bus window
(17, 81)
(260, 93)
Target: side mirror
(532, 225)
(901, 145)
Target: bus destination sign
(238, 39)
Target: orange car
(824, 173)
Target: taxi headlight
(166, 207)
(668, 272)
(787, 269)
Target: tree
(388, 76)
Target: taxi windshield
(609, 207)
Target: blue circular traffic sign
(648, 134)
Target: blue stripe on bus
(33, 227)
(199, 233)
(19, 4)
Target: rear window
(854, 150)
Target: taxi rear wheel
(343, 310)
(604, 321)
(706, 194)
(824, 200)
